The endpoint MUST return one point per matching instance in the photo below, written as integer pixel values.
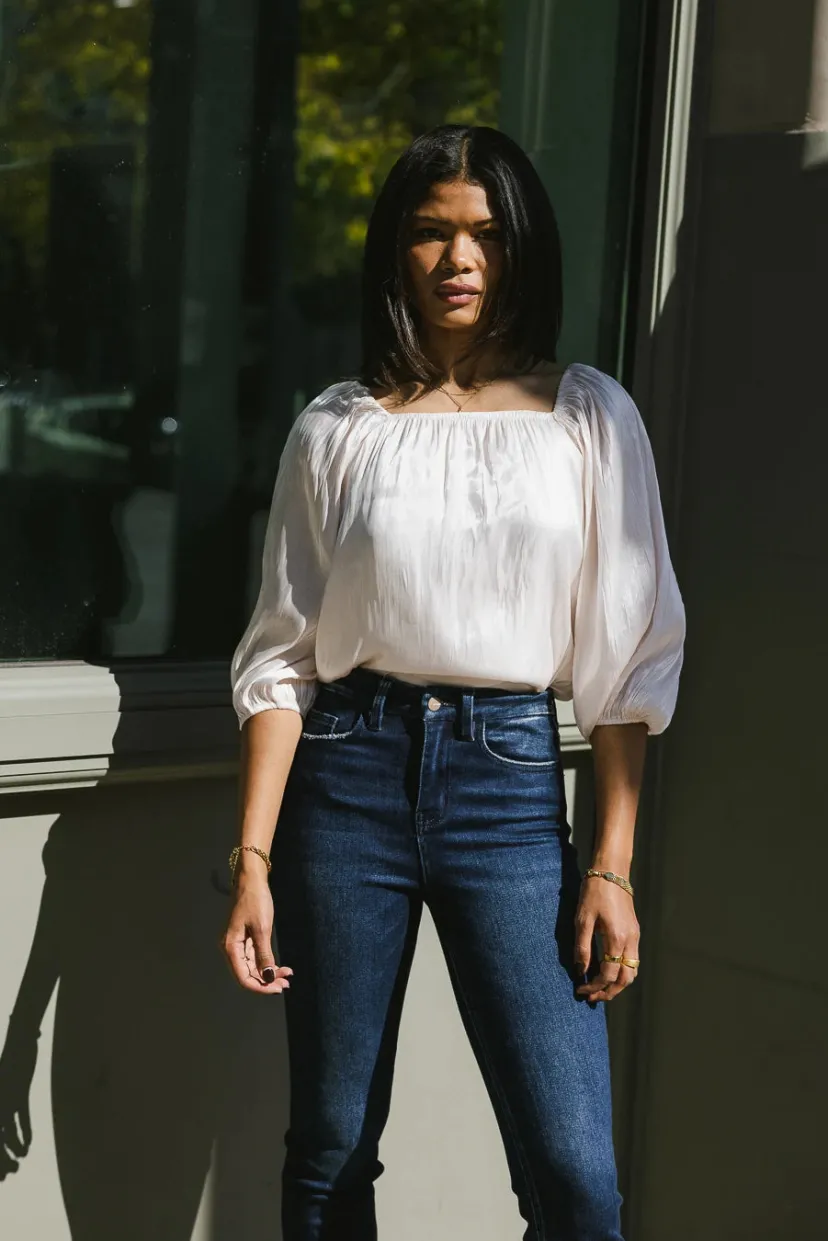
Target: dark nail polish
(268, 974)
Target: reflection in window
(184, 191)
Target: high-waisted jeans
(398, 795)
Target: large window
(184, 188)
(184, 191)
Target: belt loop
(467, 725)
(377, 706)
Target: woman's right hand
(247, 940)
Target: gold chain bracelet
(611, 878)
(239, 849)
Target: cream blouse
(517, 548)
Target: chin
(458, 320)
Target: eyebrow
(439, 219)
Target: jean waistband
(380, 691)
(366, 682)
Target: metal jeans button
(433, 704)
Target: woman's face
(455, 256)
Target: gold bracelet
(608, 875)
(234, 857)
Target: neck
(447, 349)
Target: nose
(459, 253)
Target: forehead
(457, 201)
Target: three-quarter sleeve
(275, 663)
(629, 622)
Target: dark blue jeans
(400, 795)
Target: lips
(457, 294)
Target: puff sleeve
(629, 621)
(274, 665)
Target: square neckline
(472, 414)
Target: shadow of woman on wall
(161, 1068)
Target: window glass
(184, 192)
(184, 189)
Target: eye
(425, 233)
(490, 234)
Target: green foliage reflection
(372, 75)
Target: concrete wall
(732, 1090)
(158, 1089)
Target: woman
(458, 538)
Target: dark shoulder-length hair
(524, 317)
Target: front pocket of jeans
(524, 741)
(327, 726)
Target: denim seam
(423, 821)
(380, 700)
(534, 1201)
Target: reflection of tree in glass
(372, 75)
(74, 72)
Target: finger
(584, 931)
(236, 959)
(625, 977)
(613, 978)
(263, 958)
(240, 955)
(627, 973)
(264, 963)
(239, 946)
(597, 988)
(607, 974)
(263, 967)
(244, 969)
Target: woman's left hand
(606, 908)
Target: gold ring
(630, 963)
(614, 960)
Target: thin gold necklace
(468, 398)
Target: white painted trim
(50, 775)
(74, 724)
(661, 370)
(67, 724)
(673, 162)
(56, 689)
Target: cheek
(417, 269)
(423, 261)
(420, 266)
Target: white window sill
(75, 724)
(67, 724)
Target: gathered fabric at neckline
(454, 414)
